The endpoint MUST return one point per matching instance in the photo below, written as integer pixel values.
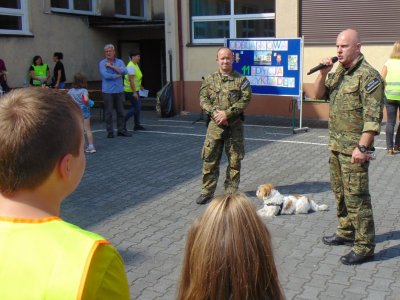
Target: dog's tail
(316, 207)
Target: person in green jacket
(42, 162)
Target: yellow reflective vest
(138, 78)
(392, 89)
(40, 71)
(44, 259)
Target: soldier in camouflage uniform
(223, 96)
(355, 91)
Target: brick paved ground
(139, 193)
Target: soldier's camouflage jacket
(228, 93)
(356, 104)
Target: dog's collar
(280, 207)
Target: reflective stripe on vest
(392, 89)
(39, 71)
(45, 259)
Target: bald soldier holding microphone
(355, 92)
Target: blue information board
(273, 66)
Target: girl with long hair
(228, 254)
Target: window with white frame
(86, 7)
(214, 20)
(130, 8)
(13, 17)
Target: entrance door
(152, 62)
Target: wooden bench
(148, 103)
(96, 96)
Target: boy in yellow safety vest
(41, 162)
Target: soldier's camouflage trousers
(217, 138)
(349, 183)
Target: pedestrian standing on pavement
(112, 71)
(355, 91)
(132, 86)
(41, 163)
(391, 74)
(58, 80)
(228, 254)
(80, 94)
(223, 96)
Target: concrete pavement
(139, 193)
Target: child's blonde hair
(228, 254)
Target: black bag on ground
(165, 101)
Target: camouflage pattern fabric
(349, 183)
(230, 94)
(356, 105)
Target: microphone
(321, 66)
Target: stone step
(149, 103)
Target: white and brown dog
(275, 203)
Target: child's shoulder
(77, 90)
(72, 228)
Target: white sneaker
(90, 150)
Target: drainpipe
(180, 53)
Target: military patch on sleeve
(372, 85)
(244, 84)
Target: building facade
(80, 29)
(178, 39)
(200, 27)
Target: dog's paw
(269, 211)
(323, 207)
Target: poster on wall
(273, 66)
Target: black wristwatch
(362, 148)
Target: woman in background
(58, 80)
(39, 72)
(391, 74)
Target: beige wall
(157, 9)
(171, 37)
(286, 18)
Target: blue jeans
(134, 110)
(392, 106)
